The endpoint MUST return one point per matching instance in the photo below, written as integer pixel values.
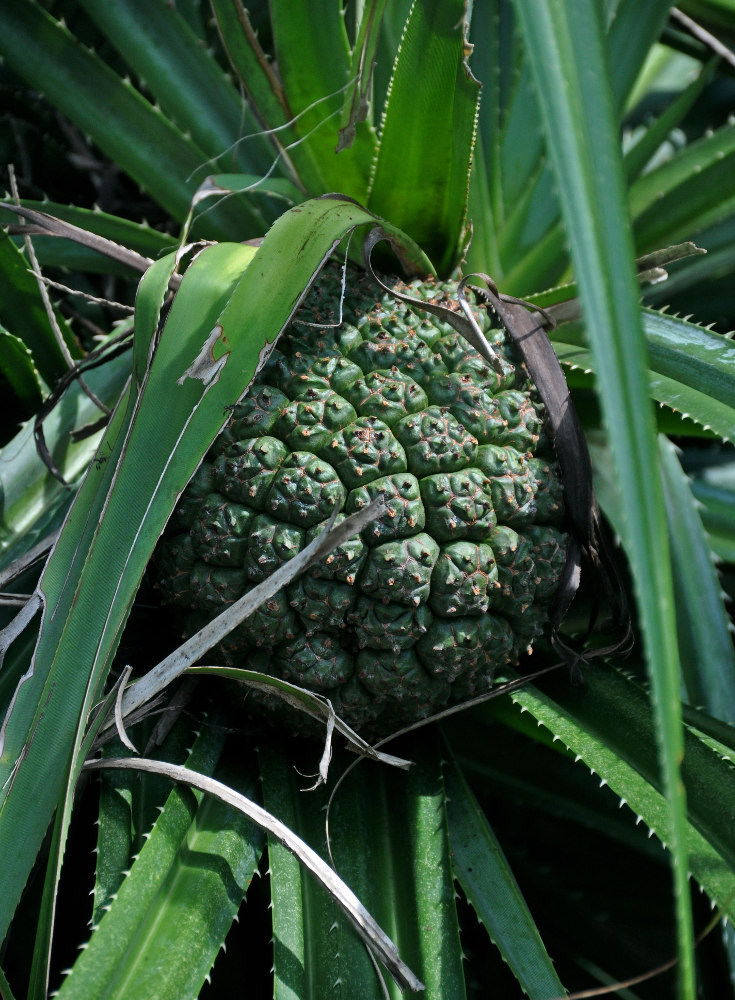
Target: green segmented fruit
(365, 397)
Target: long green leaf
(563, 39)
(419, 183)
(693, 190)
(699, 358)
(705, 642)
(485, 202)
(114, 833)
(692, 370)
(160, 47)
(313, 57)
(250, 63)
(315, 949)
(482, 870)
(129, 805)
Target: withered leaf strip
(588, 551)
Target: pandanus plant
(391, 497)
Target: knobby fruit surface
(367, 395)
